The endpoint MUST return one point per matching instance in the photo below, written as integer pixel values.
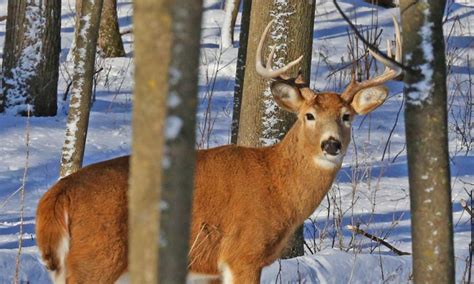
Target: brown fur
(247, 202)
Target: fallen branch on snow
(127, 31)
(359, 231)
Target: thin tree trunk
(427, 141)
(167, 37)
(86, 34)
(178, 171)
(240, 70)
(261, 121)
(30, 78)
(180, 142)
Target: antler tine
(391, 69)
(267, 71)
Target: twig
(307, 246)
(367, 43)
(126, 32)
(22, 197)
(68, 87)
(354, 61)
(3, 18)
(466, 207)
(376, 239)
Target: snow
(370, 191)
(173, 127)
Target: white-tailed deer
(247, 201)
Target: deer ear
(368, 99)
(287, 96)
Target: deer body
(247, 202)
(252, 216)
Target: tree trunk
(110, 40)
(167, 35)
(180, 135)
(86, 34)
(31, 78)
(152, 29)
(262, 123)
(240, 70)
(427, 141)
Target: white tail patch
(59, 276)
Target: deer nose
(331, 146)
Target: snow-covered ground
(371, 190)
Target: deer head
(324, 118)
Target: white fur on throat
(327, 163)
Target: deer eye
(346, 117)
(309, 116)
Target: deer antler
(266, 70)
(391, 70)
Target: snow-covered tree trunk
(228, 27)
(427, 141)
(31, 57)
(240, 70)
(262, 123)
(85, 37)
(180, 133)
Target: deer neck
(304, 183)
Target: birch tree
(427, 141)
(262, 123)
(85, 37)
(31, 57)
(167, 44)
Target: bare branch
(466, 207)
(359, 231)
(371, 46)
